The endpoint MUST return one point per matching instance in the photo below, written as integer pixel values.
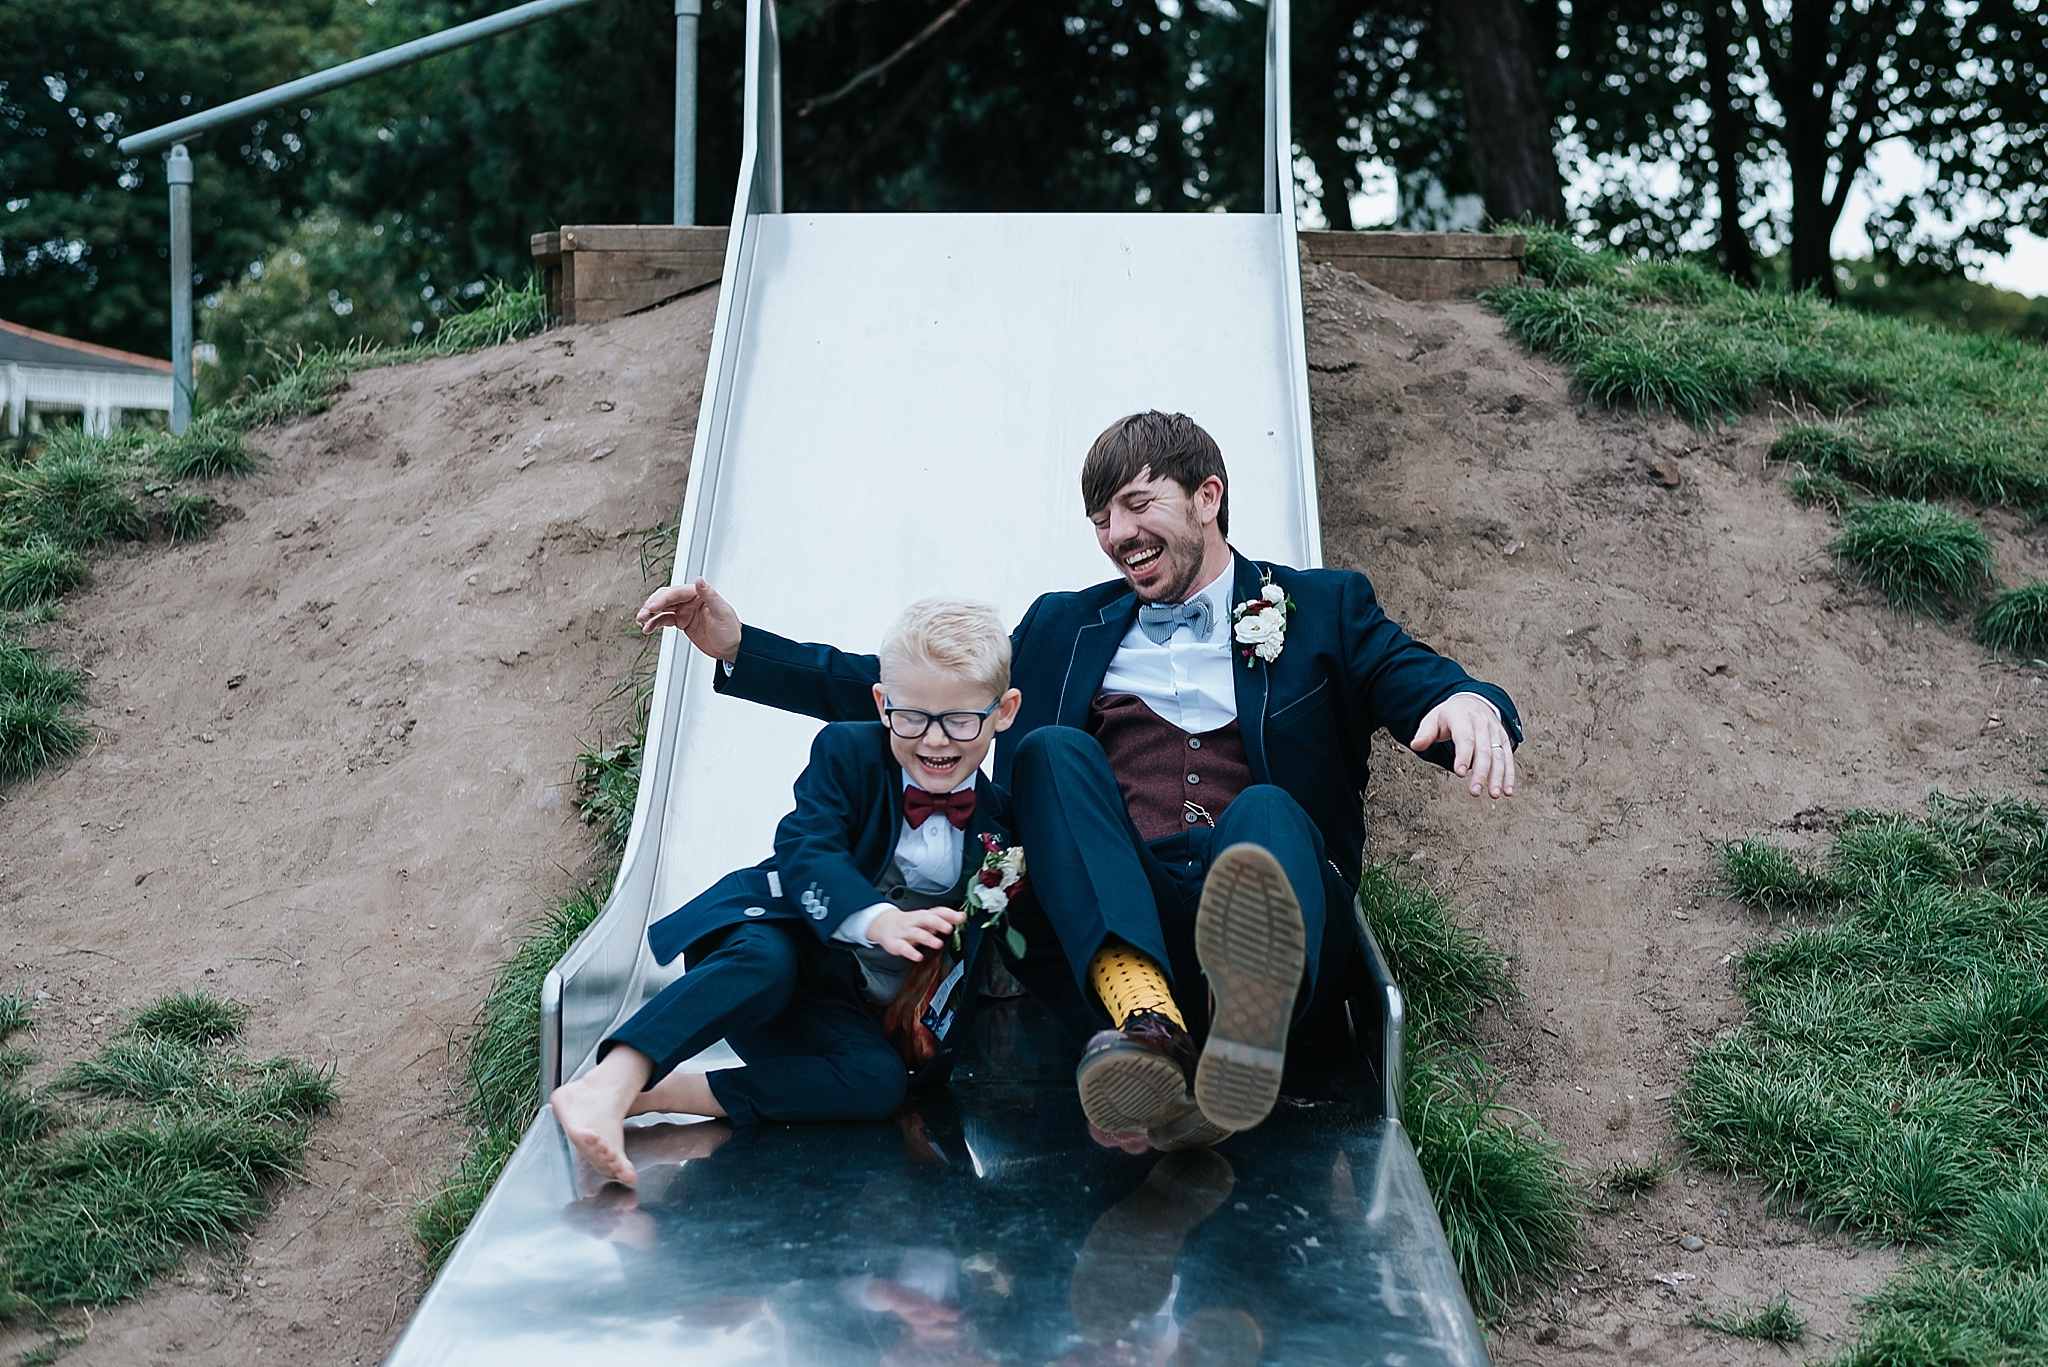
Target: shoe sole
(1128, 1088)
(1192, 1131)
(1252, 946)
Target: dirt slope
(1690, 668)
(330, 776)
(426, 622)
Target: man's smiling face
(1158, 534)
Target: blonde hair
(953, 635)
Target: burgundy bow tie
(919, 805)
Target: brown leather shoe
(1137, 1078)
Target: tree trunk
(1321, 28)
(1507, 127)
(1338, 171)
(1725, 137)
(1807, 96)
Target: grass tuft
(179, 1149)
(211, 448)
(1919, 555)
(1822, 490)
(1775, 1321)
(192, 1019)
(36, 735)
(1906, 411)
(2016, 620)
(38, 572)
(1892, 1072)
(1500, 1187)
(501, 1075)
(188, 516)
(1771, 878)
(607, 786)
(508, 313)
(1634, 1179)
(1447, 973)
(15, 1016)
(27, 676)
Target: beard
(1180, 558)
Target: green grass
(1630, 1180)
(36, 735)
(1761, 873)
(2016, 620)
(1904, 410)
(1892, 1072)
(500, 1088)
(192, 1018)
(1775, 1321)
(607, 785)
(1918, 555)
(176, 1145)
(1823, 490)
(39, 571)
(1500, 1188)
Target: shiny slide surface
(898, 405)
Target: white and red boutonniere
(999, 881)
(1259, 625)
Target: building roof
(25, 346)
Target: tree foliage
(83, 247)
(1733, 94)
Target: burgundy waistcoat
(1170, 779)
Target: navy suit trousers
(1096, 878)
(792, 1009)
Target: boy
(791, 961)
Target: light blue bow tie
(1158, 620)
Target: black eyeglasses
(913, 723)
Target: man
(1188, 768)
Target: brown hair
(1172, 445)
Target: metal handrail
(320, 82)
(172, 135)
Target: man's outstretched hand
(699, 613)
(1485, 755)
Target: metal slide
(897, 405)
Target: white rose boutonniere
(1259, 625)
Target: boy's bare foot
(596, 1125)
(592, 1110)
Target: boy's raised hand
(700, 613)
(903, 932)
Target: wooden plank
(600, 285)
(641, 237)
(1328, 246)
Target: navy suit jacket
(1307, 718)
(832, 850)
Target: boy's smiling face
(935, 761)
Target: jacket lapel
(1094, 647)
(1252, 682)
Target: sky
(1894, 171)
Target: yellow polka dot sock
(1129, 982)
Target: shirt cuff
(1461, 693)
(727, 666)
(854, 929)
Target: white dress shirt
(1191, 683)
(929, 858)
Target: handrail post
(687, 12)
(179, 173)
